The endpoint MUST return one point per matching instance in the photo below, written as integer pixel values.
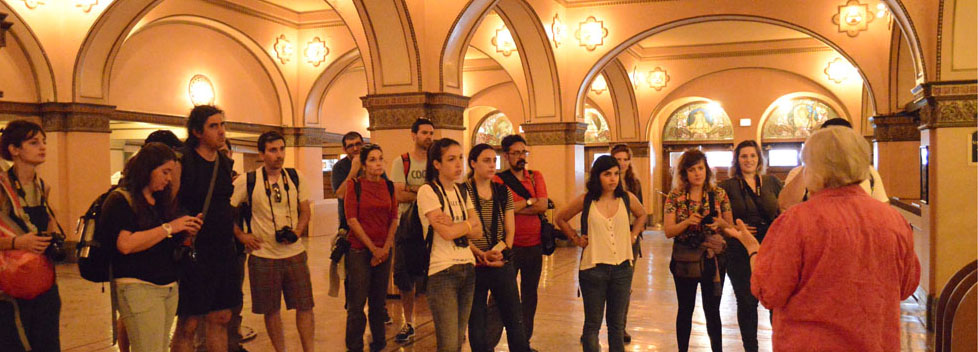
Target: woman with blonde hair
(838, 245)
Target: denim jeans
(686, 293)
(738, 269)
(147, 312)
(365, 284)
(528, 262)
(605, 287)
(450, 300)
(502, 283)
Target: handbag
(687, 262)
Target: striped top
(486, 216)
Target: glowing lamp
(658, 78)
(503, 41)
(201, 90)
(283, 49)
(838, 70)
(591, 33)
(853, 18)
(316, 51)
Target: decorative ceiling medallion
(853, 17)
(658, 78)
(591, 33)
(201, 90)
(503, 41)
(838, 70)
(557, 31)
(316, 51)
(33, 4)
(85, 5)
(283, 49)
(599, 85)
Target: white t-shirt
(415, 176)
(261, 215)
(873, 188)
(445, 253)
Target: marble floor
(85, 320)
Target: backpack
(413, 242)
(95, 247)
(587, 209)
(406, 161)
(250, 179)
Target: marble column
(896, 137)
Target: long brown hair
(736, 171)
(680, 179)
(631, 181)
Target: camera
(461, 242)
(286, 236)
(340, 246)
(56, 249)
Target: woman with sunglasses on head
(448, 209)
(371, 213)
(623, 154)
(493, 272)
(754, 200)
(607, 234)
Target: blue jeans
(365, 285)
(450, 300)
(605, 287)
(502, 283)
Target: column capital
(304, 136)
(400, 110)
(947, 103)
(896, 127)
(554, 133)
(75, 117)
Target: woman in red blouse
(371, 213)
(834, 269)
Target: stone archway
(47, 90)
(627, 123)
(312, 108)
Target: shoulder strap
(628, 204)
(514, 184)
(406, 161)
(584, 214)
(356, 188)
(294, 175)
(390, 189)
(250, 179)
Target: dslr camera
(285, 235)
(56, 249)
(462, 242)
(340, 246)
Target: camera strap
(268, 195)
(19, 189)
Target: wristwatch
(529, 202)
(169, 229)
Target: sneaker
(247, 333)
(405, 334)
(628, 338)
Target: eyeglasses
(351, 145)
(517, 153)
(277, 193)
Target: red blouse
(834, 270)
(375, 211)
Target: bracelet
(749, 256)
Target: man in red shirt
(529, 201)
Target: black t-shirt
(215, 239)
(153, 265)
(340, 170)
(754, 209)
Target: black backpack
(95, 246)
(245, 208)
(587, 209)
(413, 242)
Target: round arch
(532, 43)
(811, 95)
(482, 121)
(41, 69)
(601, 63)
(271, 70)
(312, 107)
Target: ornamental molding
(898, 127)
(554, 133)
(947, 104)
(304, 136)
(399, 111)
(75, 117)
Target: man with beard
(408, 175)
(278, 264)
(527, 249)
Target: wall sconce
(599, 85)
(283, 49)
(85, 5)
(839, 70)
(591, 33)
(503, 41)
(33, 4)
(557, 30)
(658, 78)
(853, 18)
(201, 90)
(882, 10)
(637, 76)
(316, 52)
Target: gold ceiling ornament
(86, 5)
(200, 90)
(599, 85)
(503, 41)
(853, 17)
(591, 33)
(658, 78)
(557, 31)
(283, 49)
(316, 51)
(33, 4)
(839, 70)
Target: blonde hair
(836, 157)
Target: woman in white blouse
(607, 262)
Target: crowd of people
(181, 227)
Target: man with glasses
(277, 212)
(345, 170)
(408, 175)
(529, 201)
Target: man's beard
(520, 165)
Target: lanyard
(20, 189)
(268, 195)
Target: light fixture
(503, 41)
(637, 76)
(33, 4)
(599, 85)
(557, 31)
(658, 78)
(316, 51)
(283, 49)
(839, 70)
(853, 18)
(201, 90)
(86, 5)
(881, 10)
(591, 33)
